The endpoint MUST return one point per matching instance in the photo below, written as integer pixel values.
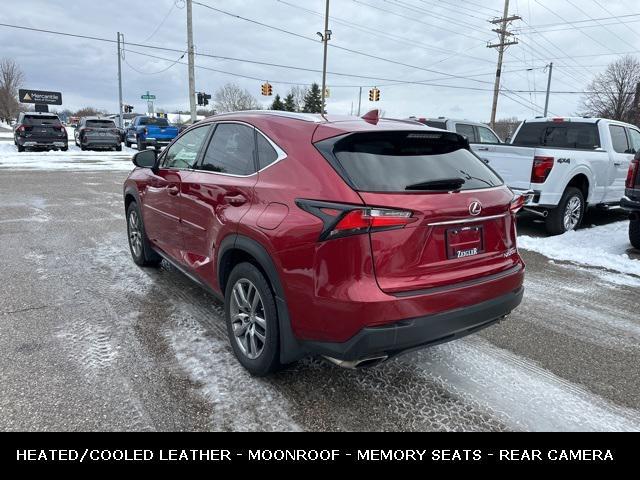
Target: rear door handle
(173, 190)
(236, 200)
(483, 149)
(617, 164)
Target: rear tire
(634, 233)
(20, 148)
(141, 145)
(252, 320)
(569, 213)
(119, 148)
(141, 251)
(64, 149)
(127, 144)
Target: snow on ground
(519, 391)
(604, 246)
(73, 159)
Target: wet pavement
(89, 341)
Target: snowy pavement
(73, 159)
(89, 341)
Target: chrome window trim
(469, 220)
(281, 153)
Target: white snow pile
(604, 246)
(73, 159)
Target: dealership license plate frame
(453, 242)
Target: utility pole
(546, 102)
(636, 103)
(120, 119)
(359, 101)
(503, 35)
(192, 73)
(326, 36)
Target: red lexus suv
(352, 238)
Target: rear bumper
(42, 142)
(104, 142)
(415, 333)
(158, 142)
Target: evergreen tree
(277, 103)
(313, 100)
(289, 103)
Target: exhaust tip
(360, 363)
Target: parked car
(95, 133)
(41, 131)
(353, 239)
(631, 200)
(475, 132)
(567, 165)
(150, 132)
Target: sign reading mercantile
(40, 97)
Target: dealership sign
(40, 97)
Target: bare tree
(11, 78)
(506, 127)
(233, 98)
(88, 112)
(611, 94)
(299, 94)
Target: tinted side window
(231, 150)
(434, 124)
(266, 153)
(580, 135)
(619, 139)
(634, 138)
(487, 136)
(466, 130)
(184, 151)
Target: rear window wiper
(445, 184)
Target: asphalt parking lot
(89, 341)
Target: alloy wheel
(248, 318)
(572, 213)
(135, 235)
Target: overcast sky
(431, 41)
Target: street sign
(148, 96)
(40, 97)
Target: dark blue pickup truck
(150, 132)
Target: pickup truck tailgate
(512, 163)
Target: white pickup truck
(565, 165)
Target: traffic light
(127, 108)
(267, 89)
(374, 94)
(205, 99)
(199, 98)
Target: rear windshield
(434, 124)
(41, 120)
(101, 124)
(159, 122)
(581, 135)
(392, 161)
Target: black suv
(631, 201)
(43, 131)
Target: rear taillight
(517, 203)
(632, 175)
(541, 169)
(145, 131)
(344, 220)
(21, 129)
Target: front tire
(569, 213)
(252, 320)
(20, 148)
(141, 251)
(634, 233)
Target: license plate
(465, 242)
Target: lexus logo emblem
(475, 208)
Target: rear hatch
(43, 128)
(462, 226)
(102, 130)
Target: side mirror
(145, 159)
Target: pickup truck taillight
(20, 129)
(632, 175)
(541, 169)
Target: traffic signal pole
(192, 74)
